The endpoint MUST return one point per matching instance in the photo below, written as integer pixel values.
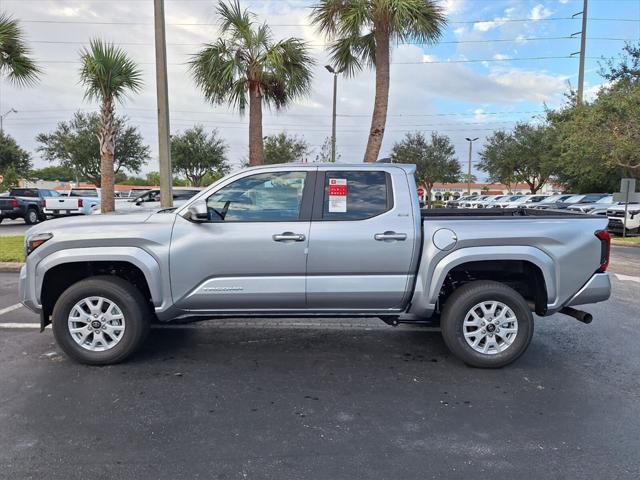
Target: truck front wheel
(101, 320)
(487, 324)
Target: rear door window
(356, 195)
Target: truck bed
(497, 213)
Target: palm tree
(246, 62)
(107, 74)
(15, 62)
(361, 32)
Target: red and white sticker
(338, 195)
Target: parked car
(455, 203)
(505, 201)
(527, 201)
(616, 218)
(604, 202)
(76, 201)
(552, 200)
(25, 203)
(314, 240)
(489, 201)
(150, 199)
(473, 203)
(576, 200)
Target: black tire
(463, 300)
(31, 217)
(130, 301)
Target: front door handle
(289, 237)
(390, 236)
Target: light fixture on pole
(470, 140)
(335, 73)
(8, 112)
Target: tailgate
(6, 203)
(63, 204)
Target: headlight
(34, 241)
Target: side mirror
(198, 212)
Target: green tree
(324, 154)
(15, 61)
(246, 66)
(465, 176)
(108, 75)
(600, 141)
(196, 153)
(435, 160)
(526, 155)
(361, 33)
(14, 161)
(55, 173)
(76, 147)
(283, 148)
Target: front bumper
(597, 289)
(27, 295)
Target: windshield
(83, 192)
(574, 199)
(513, 198)
(607, 199)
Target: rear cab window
(354, 195)
(24, 192)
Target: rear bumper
(597, 289)
(12, 212)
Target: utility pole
(583, 49)
(8, 112)
(470, 140)
(164, 153)
(333, 123)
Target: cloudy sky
(500, 61)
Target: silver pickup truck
(315, 240)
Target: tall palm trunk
(256, 149)
(106, 137)
(381, 102)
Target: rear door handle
(289, 237)
(390, 236)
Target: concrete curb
(620, 243)
(10, 266)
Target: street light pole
(164, 153)
(333, 122)
(470, 140)
(8, 112)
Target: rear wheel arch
(524, 276)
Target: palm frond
(15, 61)
(245, 56)
(107, 72)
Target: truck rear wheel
(487, 324)
(101, 320)
(31, 217)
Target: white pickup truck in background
(76, 201)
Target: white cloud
(501, 56)
(540, 12)
(453, 6)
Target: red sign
(421, 191)
(339, 190)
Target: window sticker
(338, 195)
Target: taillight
(14, 203)
(80, 203)
(605, 249)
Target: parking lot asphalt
(13, 227)
(327, 399)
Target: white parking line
(10, 309)
(19, 325)
(627, 278)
